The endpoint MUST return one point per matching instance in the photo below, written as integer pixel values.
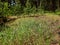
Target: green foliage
(14, 10)
(17, 9)
(28, 9)
(5, 9)
(58, 11)
(1, 8)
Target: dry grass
(32, 30)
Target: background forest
(17, 7)
(29, 22)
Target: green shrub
(28, 9)
(58, 11)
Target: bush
(58, 11)
(5, 10)
(28, 9)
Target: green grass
(29, 31)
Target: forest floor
(32, 30)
